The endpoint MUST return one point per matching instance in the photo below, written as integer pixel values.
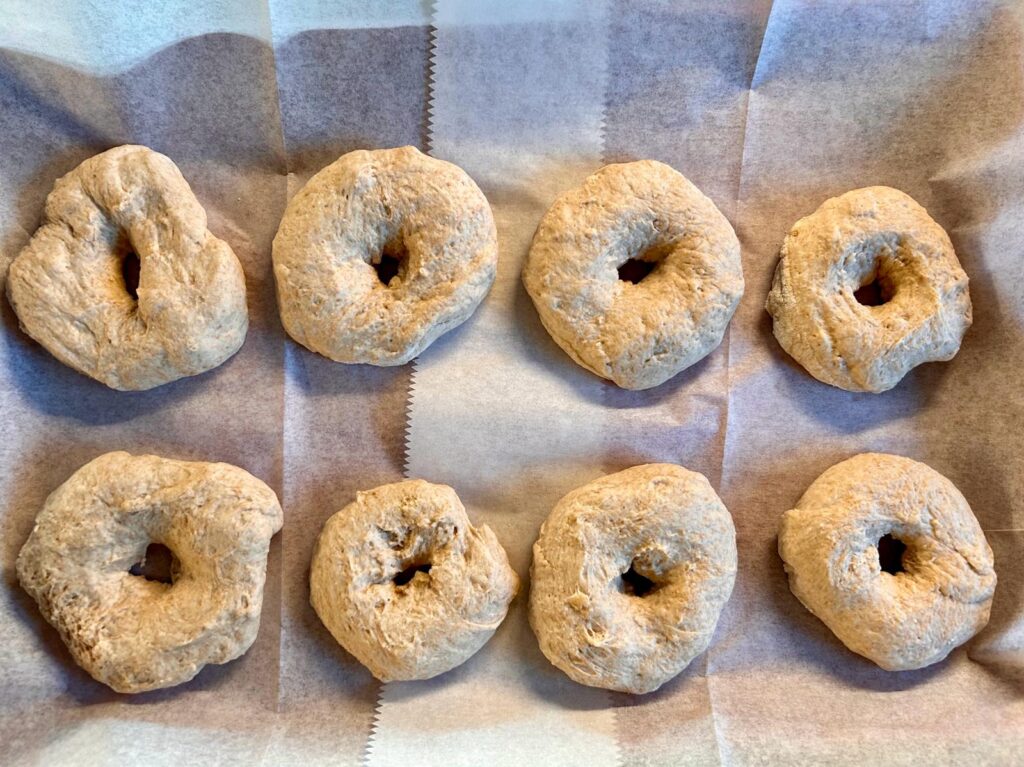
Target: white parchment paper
(770, 108)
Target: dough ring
(630, 574)
(129, 632)
(627, 216)
(371, 209)
(881, 240)
(887, 553)
(406, 584)
(70, 295)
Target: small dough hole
(637, 268)
(636, 585)
(157, 564)
(874, 292)
(408, 573)
(890, 554)
(391, 261)
(131, 268)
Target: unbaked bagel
(868, 237)
(129, 632)
(629, 576)
(69, 293)
(636, 334)
(934, 596)
(406, 584)
(368, 206)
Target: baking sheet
(769, 108)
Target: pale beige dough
(637, 335)
(660, 521)
(852, 240)
(67, 288)
(368, 204)
(135, 634)
(406, 584)
(902, 620)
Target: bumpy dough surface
(67, 288)
(666, 523)
(365, 205)
(852, 240)
(437, 619)
(128, 632)
(829, 544)
(638, 335)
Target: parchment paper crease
(770, 108)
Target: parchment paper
(247, 114)
(770, 109)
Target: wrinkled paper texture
(770, 108)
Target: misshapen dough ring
(595, 619)
(873, 235)
(128, 632)
(68, 291)
(830, 546)
(638, 335)
(406, 584)
(366, 205)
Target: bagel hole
(390, 262)
(157, 564)
(890, 554)
(409, 573)
(875, 292)
(131, 267)
(636, 269)
(636, 585)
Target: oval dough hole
(157, 564)
(130, 269)
(636, 585)
(890, 554)
(636, 269)
(410, 572)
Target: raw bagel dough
(427, 621)
(128, 632)
(660, 521)
(852, 240)
(913, 618)
(638, 335)
(67, 288)
(365, 205)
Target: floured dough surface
(908, 619)
(594, 618)
(396, 203)
(875, 235)
(68, 291)
(406, 584)
(637, 335)
(129, 632)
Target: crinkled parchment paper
(770, 108)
